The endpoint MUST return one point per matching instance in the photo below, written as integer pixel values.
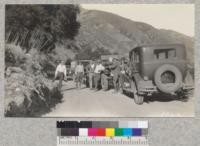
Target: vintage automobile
(156, 69)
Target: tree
(41, 26)
(84, 54)
(100, 51)
(87, 53)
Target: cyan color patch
(127, 131)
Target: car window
(135, 56)
(164, 53)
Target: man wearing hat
(90, 69)
(60, 73)
(124, 69)
(97, 73)
(79, 73)
(115, 70)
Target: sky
(178, 17)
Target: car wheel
(138, 99)
(104, 82)
(168, 78)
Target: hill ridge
(119, 34)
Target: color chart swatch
(102, 132)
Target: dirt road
(89, 103)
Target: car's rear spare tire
(168, 78)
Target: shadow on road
(73, 88)
(165, 98)
(161, 97)
(67, 89)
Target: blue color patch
(127, 132)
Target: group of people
(118, 70)
(94, 70)
(61, 73)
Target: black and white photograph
(99, 60)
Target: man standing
(60, 73)
(91, 73)
(123, 71)
(97, 73)
(115, 67)
(79, 73)
(73, 66)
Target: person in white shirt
(79, 73)
(97, 73)
(60, 73)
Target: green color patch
(118, 131)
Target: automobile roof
(159, 46)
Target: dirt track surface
(89, 103)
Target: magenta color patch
(92, 132)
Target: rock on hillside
(118, 34)
(28, 92)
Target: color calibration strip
(102, 132)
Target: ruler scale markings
(107, 141)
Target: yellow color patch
(110, 132)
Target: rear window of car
(135, 56)
(167, 53)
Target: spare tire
(168, 70)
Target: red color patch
(101, 132)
